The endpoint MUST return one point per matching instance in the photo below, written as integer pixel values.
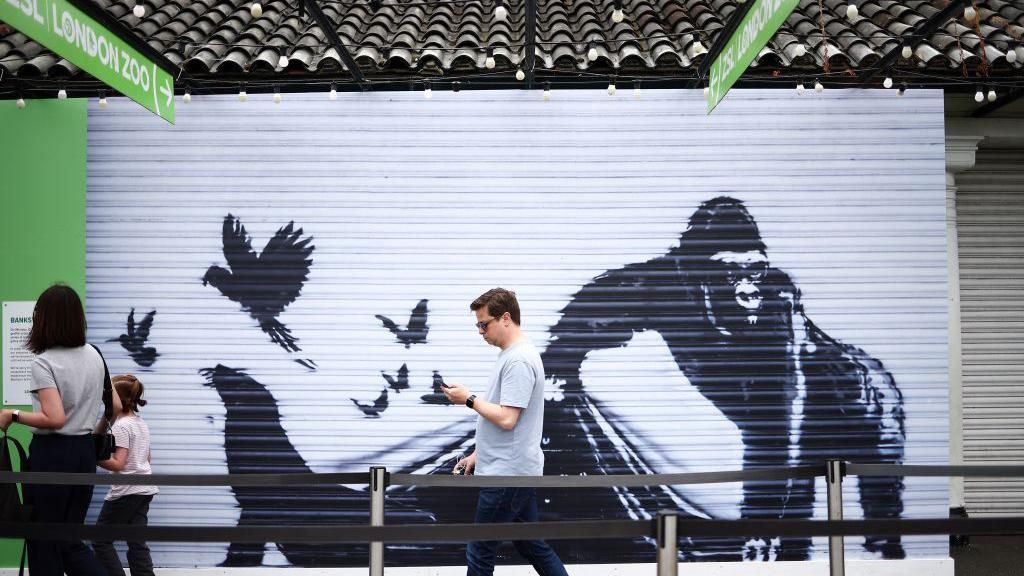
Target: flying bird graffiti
(399, 382)
(415, 332)
(373, 410)
(134, 339)
(264, 284)
(255, 441)
(436, 395)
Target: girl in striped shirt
(129, 503)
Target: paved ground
(990, 556)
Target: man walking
(508, 432)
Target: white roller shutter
(407, 199)
(990, 219)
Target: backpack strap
(108, 389)
(22, 455)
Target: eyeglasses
(483, 325)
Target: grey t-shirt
(77, 374)
(518, 380)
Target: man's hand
(465, 465)
(456, 393)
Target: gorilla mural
(738, 332)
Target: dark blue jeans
(62, 504)
(132, 509)
(510, 505)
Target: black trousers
(134, 510)
(62, 504)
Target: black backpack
(11, 507)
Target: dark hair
(57, 321)
(130, 390)
(498, 301)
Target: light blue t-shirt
(518, 380)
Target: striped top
(131, 432)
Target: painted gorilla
(736, 328)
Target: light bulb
(333, 94)
(427, 92)
(277, 97)
(62, 94)
(500, 12)
(242, 96)
(979, 96)
(887, 82)
(707, 90)
(902, 90)
(187, 97)
(103, 103)
(611, 88)
(20, 103)
(592, 53)
(636, 89)
(906, 52)
(282, 62)
(970, 13)
(800, 50)
(139, 10)
(1011, 56)
(818, 87)
(489, 62)
(851, 11)
(520, 75)
(256, 9)
(547, 91)
(799, 87)
(617, 15)
(992, 95)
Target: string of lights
(985, 88)
(1014, 51)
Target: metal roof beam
(530, 45)
(720, 41)
(99, 14)
(331, 32)
(954, 9)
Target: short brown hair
(498, 301)
(130, 389)
(57, 321)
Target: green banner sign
(67, 31)
(758, 26)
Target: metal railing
(666, 528)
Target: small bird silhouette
(415, 331)
(373, 410)
(401, 382)
(133, 341)
(263, 284)
(437, 395)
